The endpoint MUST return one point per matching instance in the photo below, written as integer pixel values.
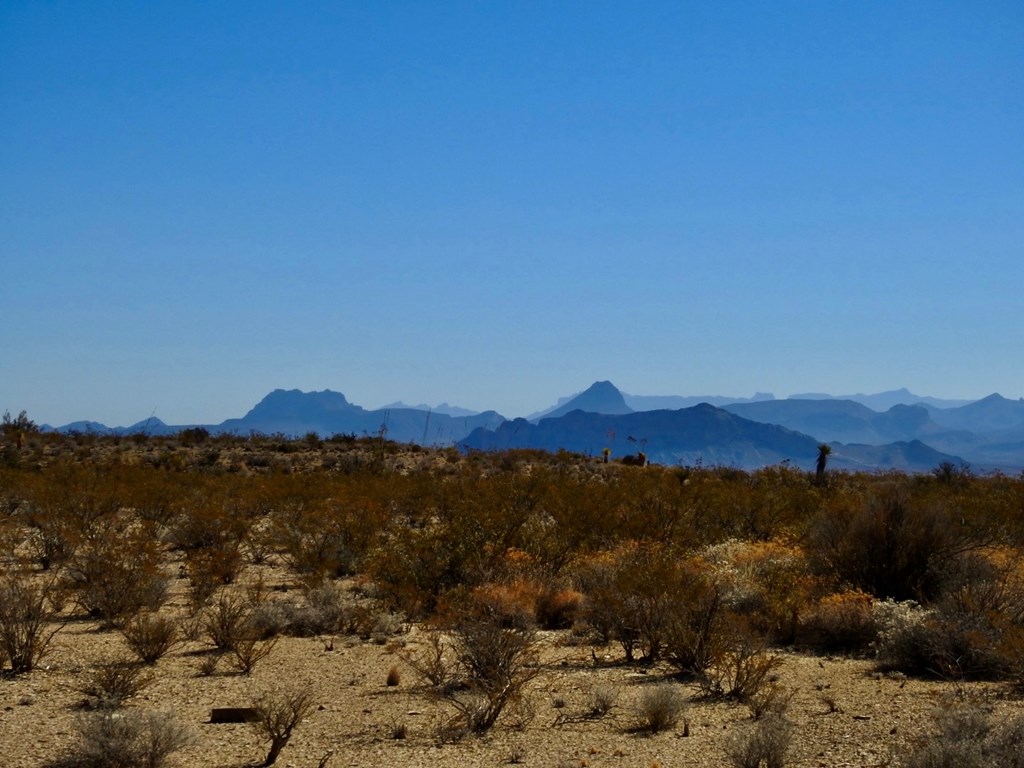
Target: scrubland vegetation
(706, 574)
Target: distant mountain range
(914, 435)
(296, 413)
(600, 418)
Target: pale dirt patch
(845, 714)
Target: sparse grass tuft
(659, 708)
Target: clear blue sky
(495, 203)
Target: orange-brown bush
(116, 571)
(28, 619)
(491, 664)
(556, 539)
(975, 631)
(893, 545)
(654, 600)
(839, 622)
(629, 593)
(150, 636)
(766, 581)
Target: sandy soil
(844, 713)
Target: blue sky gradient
(495, 204)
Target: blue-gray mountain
(747, 433)
(292, 412)
(988, 433)
(599, 397)
(701, 434)
(295, 413)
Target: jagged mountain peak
(599, 397)
(293, 401)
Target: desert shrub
(967, 737)
(770, 699)
(394, 677)
(278, 713)
(53, 538)
(496, 663)
(980, 630)
(193, 436)
(315, 542)
(903, 636)
(230, 628)
(29, 619)
(433, 666)
(210, 568)
(513, 604)
(767, 582)
(697, 621)
(249, 651)
(603, 699)
(839, 622)
(744, 672)
(150, 636)
(633, 595)
(125, 739)
(325, 609)
(109, 685)
(64, 504)
(476, 522)
(413, 567)
(891, 546)
(975, 631)
(559, 608)
(761, 744)
(282, 616)
(659, 708)
(482, 668)
(227, 622)
(953, 475)
(210, 527)
(116, 572)
(151, 495)
(769, 502)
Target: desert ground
(580, 701)
(844, 713)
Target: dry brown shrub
(840, 622)
(394, 677)
(124, 739)
(480, 668)
(659, 708)
(745, 672)
(29, 619)
(117, 570)
(763, 744)
(434, 665)
(767, 582)
(110, 684)
(151, 636)
(514, 604)
(559, 608)
(634, 594)
(278, 713)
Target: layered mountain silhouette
(448, 410)
(292, 412)
(599, 397)
(842, 420)
(675, 402)
(702, 434)
(744, 432)
(883, 401)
